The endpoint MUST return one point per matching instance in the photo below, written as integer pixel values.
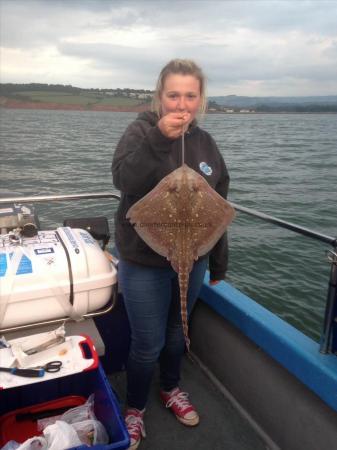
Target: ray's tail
(183, 277)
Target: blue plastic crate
(81, 384)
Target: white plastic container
(59, 273)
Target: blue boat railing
(328, 342)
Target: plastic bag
(91, 432)
(61, 436)
(11, 445)
(34, 443)
(75, 427)
(80, 413)
(73, 415)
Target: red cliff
(17, 104)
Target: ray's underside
(182, 218)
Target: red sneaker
(135, 426)
(179, 404)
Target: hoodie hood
(149, 116)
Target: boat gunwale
(295, 351)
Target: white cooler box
(59, 273)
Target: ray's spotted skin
(182, 218)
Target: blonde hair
(183, 67)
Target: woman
(148, 151)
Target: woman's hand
(172, 125)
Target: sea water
(284, 165)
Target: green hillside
(68, 95)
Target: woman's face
(181, 93)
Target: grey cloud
(110, 55)
(201, 30)
(29, 24)
(260, 15)
(331, 50)
(32, 22)
(122, 62)
(220, 66)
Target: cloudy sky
(252, 47)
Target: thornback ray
(182, 218)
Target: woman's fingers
(174, 124)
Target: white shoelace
(134, 423)
(180, 399)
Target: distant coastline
(7, 103)
(70, 98)
(17, 104)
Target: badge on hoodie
(205, 168)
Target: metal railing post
(328, 342)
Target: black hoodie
(142, 158)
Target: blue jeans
(152, 302)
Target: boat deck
(221, 426)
